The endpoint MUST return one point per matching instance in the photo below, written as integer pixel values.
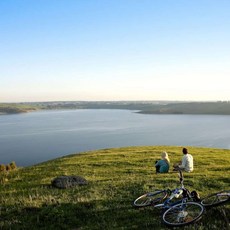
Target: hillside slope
(116, 177)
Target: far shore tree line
(145, 107)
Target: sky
(103, 50)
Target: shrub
(8, 168)
(13, 165)
(2, 168)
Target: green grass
(116, 177)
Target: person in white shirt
(187, 162)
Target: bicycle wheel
(150, 198)
(216, 199)
(183, 214)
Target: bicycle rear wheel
(216, 199)
(150, 198)
(183, 214)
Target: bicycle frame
(168, 202)
(176, 193)
(177, 213)
(177, 204)
(161, 198)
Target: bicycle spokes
(183, 214)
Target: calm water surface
(35, 137)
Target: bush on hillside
(2, 168)
(13, 165)
(8, 167)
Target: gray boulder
(68, 181)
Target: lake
(35, 137)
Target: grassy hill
(116, 177)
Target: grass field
(116, 177)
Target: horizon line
(55, 101)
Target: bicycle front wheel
(150, 198)
(216, 199)
(183, 214)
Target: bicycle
(185, 211)
(216, 199)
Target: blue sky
(57, 50)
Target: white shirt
(187, 163)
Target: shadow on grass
(77, 216)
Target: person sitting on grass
(162, 166)
(186, 164)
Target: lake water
(31, 138)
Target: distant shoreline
(144, 107)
